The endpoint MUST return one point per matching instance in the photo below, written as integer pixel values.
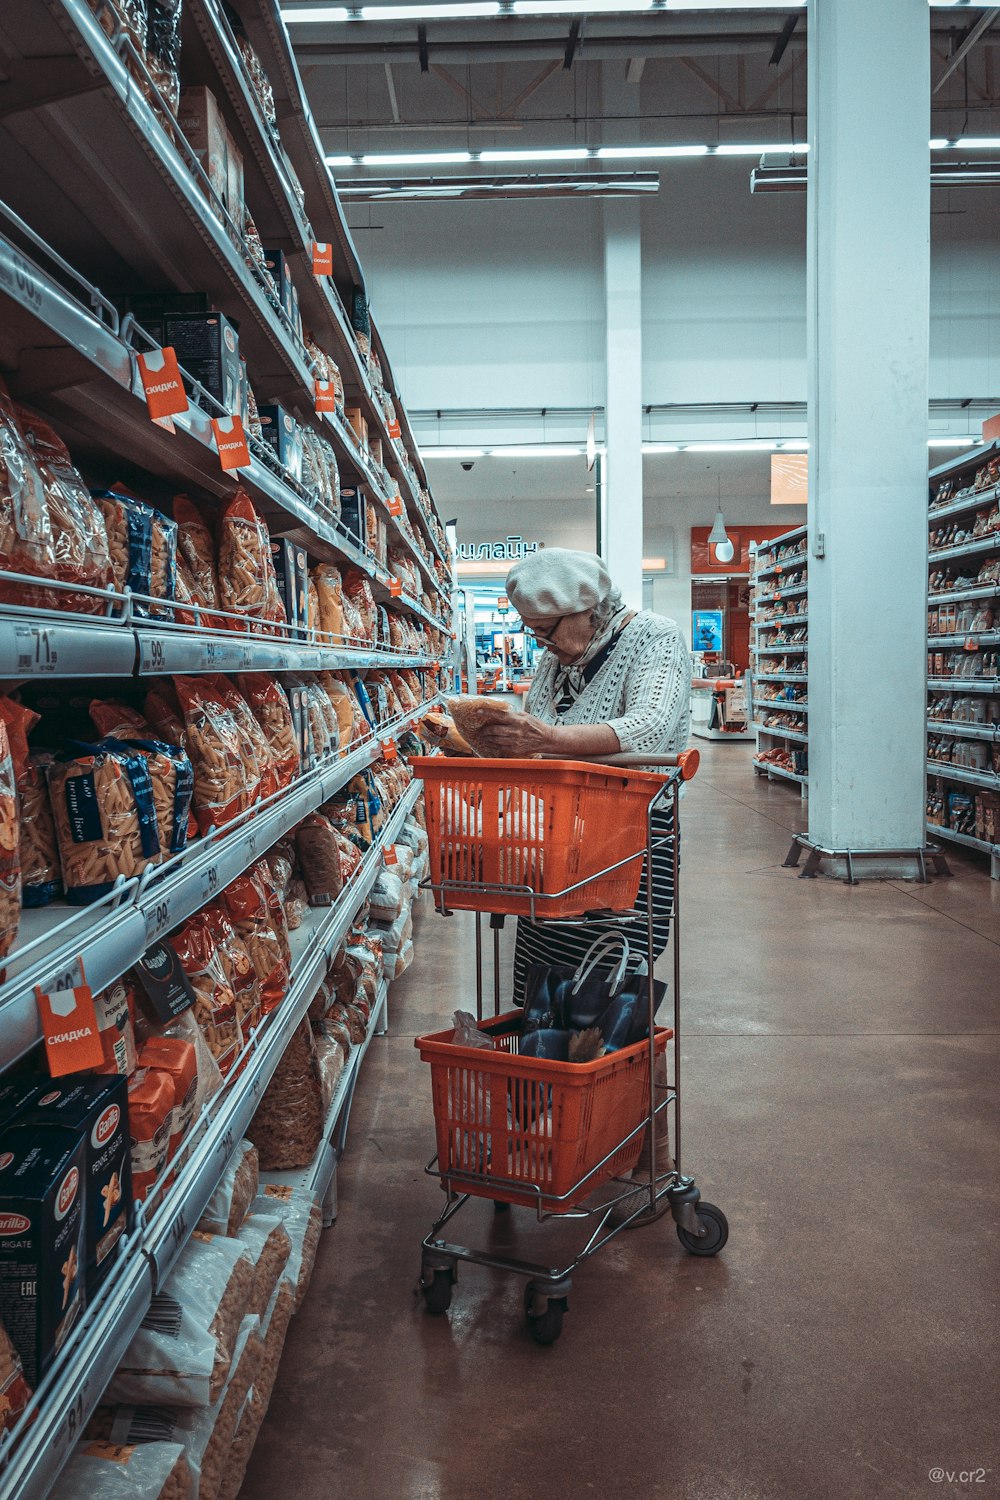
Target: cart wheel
(716, 1227)
(437, 1294)
(545, 1326)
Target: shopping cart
(555, 841)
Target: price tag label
(158, 918)
(395, 588)
(322, 259)
(152, 656)
(36, 649)
(161, 381)
(210, 884)
(231, 442)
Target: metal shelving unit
(100, 192)
(768, 569)
(952, 639)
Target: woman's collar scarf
(569, 682)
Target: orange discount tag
(69, 1025)
(389, 855)
(161, 381)
(324, 395)
(395, 431)
(396, 505)
(395, 588)
(322, 256)
(390, 750)
(232, 442)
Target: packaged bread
(41, 877)
(242, 570)
(238, 968)
(178, 1059)
(196, 546)
(105, 818)
(214, 1003)
(112, 1471)
(246, 905)
(230, 1203)
(288, 1124)
(225, 784)
(150, 1114)
(79, 537)
(270, 707)
(330, 599)
(25, 527)
(475, 717)
(183, 1352)
(319, 859)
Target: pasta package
(79, 537)
(224, 784)
(25, 525)
(330, 600)
(270, 707)
(246, 905)
(105, 818)
(214, 1001)
(243, 557)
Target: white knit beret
(556, 581)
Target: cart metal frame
(701, 1227)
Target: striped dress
(642, 688)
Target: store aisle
(840, 1070)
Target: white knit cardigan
(643, 689)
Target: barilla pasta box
(42, 1249)
(95, 1111)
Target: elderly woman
(610, 679)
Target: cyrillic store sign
(511, 550)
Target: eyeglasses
(546, 636)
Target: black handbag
(558, 998)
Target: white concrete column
(868, 317)
(622, 509)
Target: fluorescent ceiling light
(416, 159)
(575, 7)
(564, 153)
(452, 452)
(623, 151)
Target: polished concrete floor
(839, 1058)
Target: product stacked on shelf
(963, 652)
(780, 656)
(208, 850)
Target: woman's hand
(519, 736)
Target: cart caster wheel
(716, 1227)
(437, 1293)
(545, 1326)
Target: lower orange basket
(526, 1130)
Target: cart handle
(685, 761)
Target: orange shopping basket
(568, 836)
(529, 1131)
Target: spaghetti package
(79, 537)
(25, 526)
(196, 547)
(41, 877)
(270, 707)
(214, 1003)
(253, 734)
(245, 901)
(238, 967)
(225, 784)
(243, 558)
(105, 818)
(330, 600)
